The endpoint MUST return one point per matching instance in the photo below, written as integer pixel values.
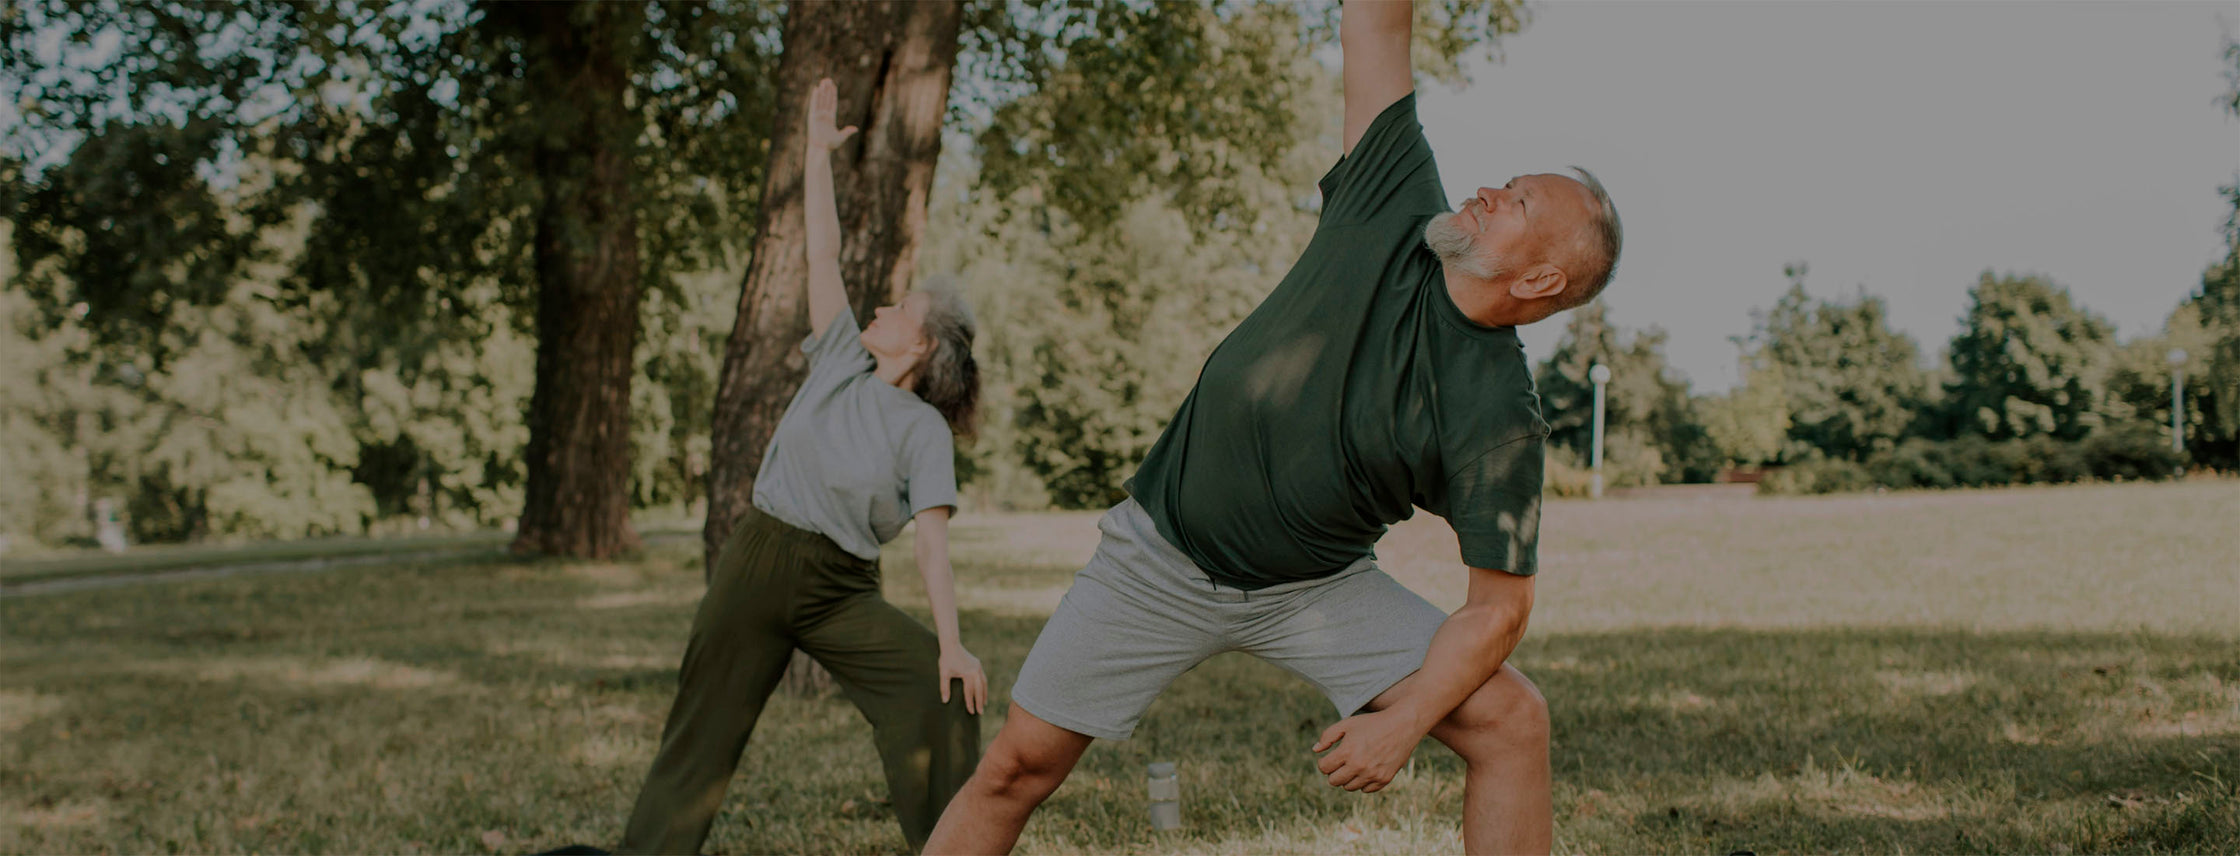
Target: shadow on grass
(1889, 738)
(433, 708)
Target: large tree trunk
(891, 61)
(588, 278)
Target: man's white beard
(1452, 244)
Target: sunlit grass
(2039, 670)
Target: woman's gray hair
(949, 379)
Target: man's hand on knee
(1371, 747)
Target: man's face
(1531, 219)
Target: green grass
(2034, 670)
(156, 559)
(161, 558)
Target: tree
(234, 434)
(1650, 424)
(2028, 362)
(2214, 361)
(1852, 385)
(49, 400)
(577, 64)
(1092, 105)
(1122, 324)
(575, 156)
(673, 401)
(2139, 385)
(1750, 423)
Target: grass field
(304, 554)
(2035, 670)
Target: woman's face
(898, 332)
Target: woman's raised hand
(824, 102)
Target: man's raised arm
(1373, 34)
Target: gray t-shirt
(854, 457)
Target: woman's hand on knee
(959, 664)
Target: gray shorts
(1142, 613)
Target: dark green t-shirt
(1355, 393)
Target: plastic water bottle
(1166, 797)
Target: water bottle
(1166, 797)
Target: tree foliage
(1100, 104)
(450, 165)
(1850, 383)
(1094, 338)
(2028, 362)
(1651, 430)
(2207, 327)
(1750, 423)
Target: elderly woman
(865, 446)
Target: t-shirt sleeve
(929, 465)
(1493, 503)
(1390, 171)
(835, 354)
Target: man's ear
(1539, 282)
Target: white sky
(1900, 146)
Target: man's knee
(1010, 774)
(1028, 759)
(1506, 713)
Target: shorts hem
(1069, 723)
(1363, 702)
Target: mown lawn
(2035, 670)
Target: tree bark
(892, 62)
(588, 277)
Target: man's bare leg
(1501, 732)
(1025, 764)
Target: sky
(1902, 148)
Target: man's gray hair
(1605, 240)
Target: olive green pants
(776, 588)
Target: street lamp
(1600, 374)
(2177, 400)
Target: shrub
(1631, 459)
(1818, 475)
(2125, 451)
(2133, 450)
(1566, 477)
(1977, 462)
(1914, 463)
(2044, 460)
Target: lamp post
(2177, 400)
(1600, 374)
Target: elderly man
(1382, 375)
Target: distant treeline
(1090, 339)
(2033, 389)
